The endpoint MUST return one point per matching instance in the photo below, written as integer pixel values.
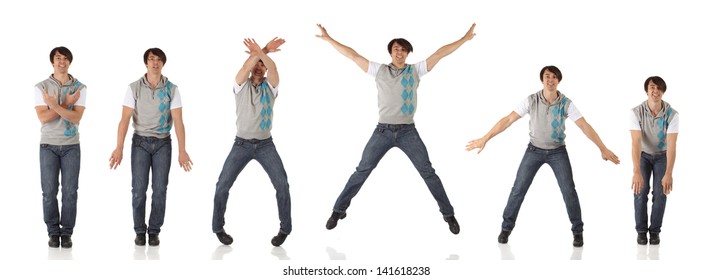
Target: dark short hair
(155, 51)
(657, 81)
(63, 51)
(400, 41)
(551, 69)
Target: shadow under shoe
(578, 239)
(279, 239)
(334, 219)
(224, 237)
(153, 239)
(66, 241)
(453, 224)
(53, 241)
(654, 238)
(642, 238)
(503, 237)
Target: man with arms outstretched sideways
(548, 110)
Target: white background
(324, 116)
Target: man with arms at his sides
(154, 104)
(653, 128)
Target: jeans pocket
(44, 146)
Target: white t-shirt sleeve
(373, 68)
(273, 89)
(176, 101)
(129, 100)
(39, 101)
(523, 108)
(82, 98)
(573, 112)
(674, 125)
(634, 122)
(237, 88)
(422, 68)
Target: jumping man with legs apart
(397, 84)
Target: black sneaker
(66, 241)
(224, 237)
(53, 241)
(654, 238)
(643, 238)
(153, 239)
(578, 239)
(335, 217)
(452, 223)
(279, 238)
(503, 237)
(140, 239)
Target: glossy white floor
(604, 51)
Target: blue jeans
(534, 158)
(265, 153)
(651, 165)
(406, 138)
(154, 155)
(56, 160)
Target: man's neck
(655, 107)
(153, 79)
(398, 65)
(256, 80)
(61, 77)
(550, 95)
